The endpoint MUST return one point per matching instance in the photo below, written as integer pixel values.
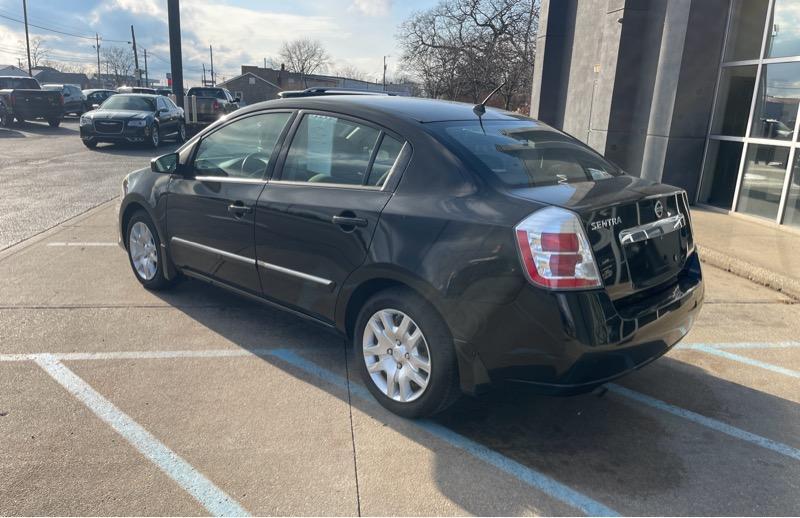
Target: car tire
(5, 119)
(54, 123)
(144, 252)
(155, 137)
(414, 393)
(180, 136)
(20, 121)
(91, 144)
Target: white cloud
(371, 7)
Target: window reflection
(733, 100)
(720, 172)
(792, 214)
(783, 38)
(776, 101)
(746, 29)
(762, 183)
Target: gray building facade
(703, 94)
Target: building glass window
(783, 37)
(733, 100)
(792, 216)
(755, 113)
(775, 111)
(721, 169)
(762, 183)
(746, 29)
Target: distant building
(257, 84)
(11, 70)
(49, 75)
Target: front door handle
(349, 221)
(239, 209)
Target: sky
(354, 32)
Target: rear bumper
(46, 113)
(571, 342)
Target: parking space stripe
(749, 361)
(216, 501)
(75, 243)
(741, 345)
(521, 472)
(708, 422)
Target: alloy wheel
(155, 137)
(142, 247)
(396, 355)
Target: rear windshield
(22, 83)
(525, 153)
(129, 102)
(207, 92)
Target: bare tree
(463, 49)
(39, 52)
(119, 62)
(350, 72)
(304, 56)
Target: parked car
(453, 250)
(74, 100)
(96, 96)
(212, 104)
(136, 90)
(137, 118)
(25, 100)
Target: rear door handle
(239, 209)
(349, 221)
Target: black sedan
(454, 246)
(136, 118)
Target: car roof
(409, 108)
(135, 94)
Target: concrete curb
(757, 274)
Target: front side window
(241, 149)
(161, 104)
(525, 153)
(330, 150)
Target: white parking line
(81, 244)
(216, 501)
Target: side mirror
(237, 100)
(165, 164)
(95, 106)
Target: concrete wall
(632, 78)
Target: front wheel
(405, 354)
(5, 119)
(155, 137)
(143, 247)
(181, 135)
(54, 123)
(91, 143)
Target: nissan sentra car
(455, 247)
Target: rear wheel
(54, 123)
(181, 135)
(143, 252)
(5, 119)
(20, 121)
(405, 354)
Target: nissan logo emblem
(659, 209)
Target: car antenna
(480, 109)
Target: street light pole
(146, 78)
(97, 47)
(27, 39)
(176, 61)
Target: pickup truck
(24, 100)
(211, 104)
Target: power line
(60, 32)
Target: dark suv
(454, 250)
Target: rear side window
(526, 153)
(330, 150)
(387, 154)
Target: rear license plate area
(654, 260)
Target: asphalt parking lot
(115, 400)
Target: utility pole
(146, 78)
(175, 58)
(265, 63)
(204, 75)
(97, 47)
(211, 53)
(384, 73)
(27, 39)
(136, 59)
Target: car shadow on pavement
(10, 133)
(631, 458)
(42, 128)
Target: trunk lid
(639, 230)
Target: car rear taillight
(215, 106)
(555, 252)
(61, 99)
